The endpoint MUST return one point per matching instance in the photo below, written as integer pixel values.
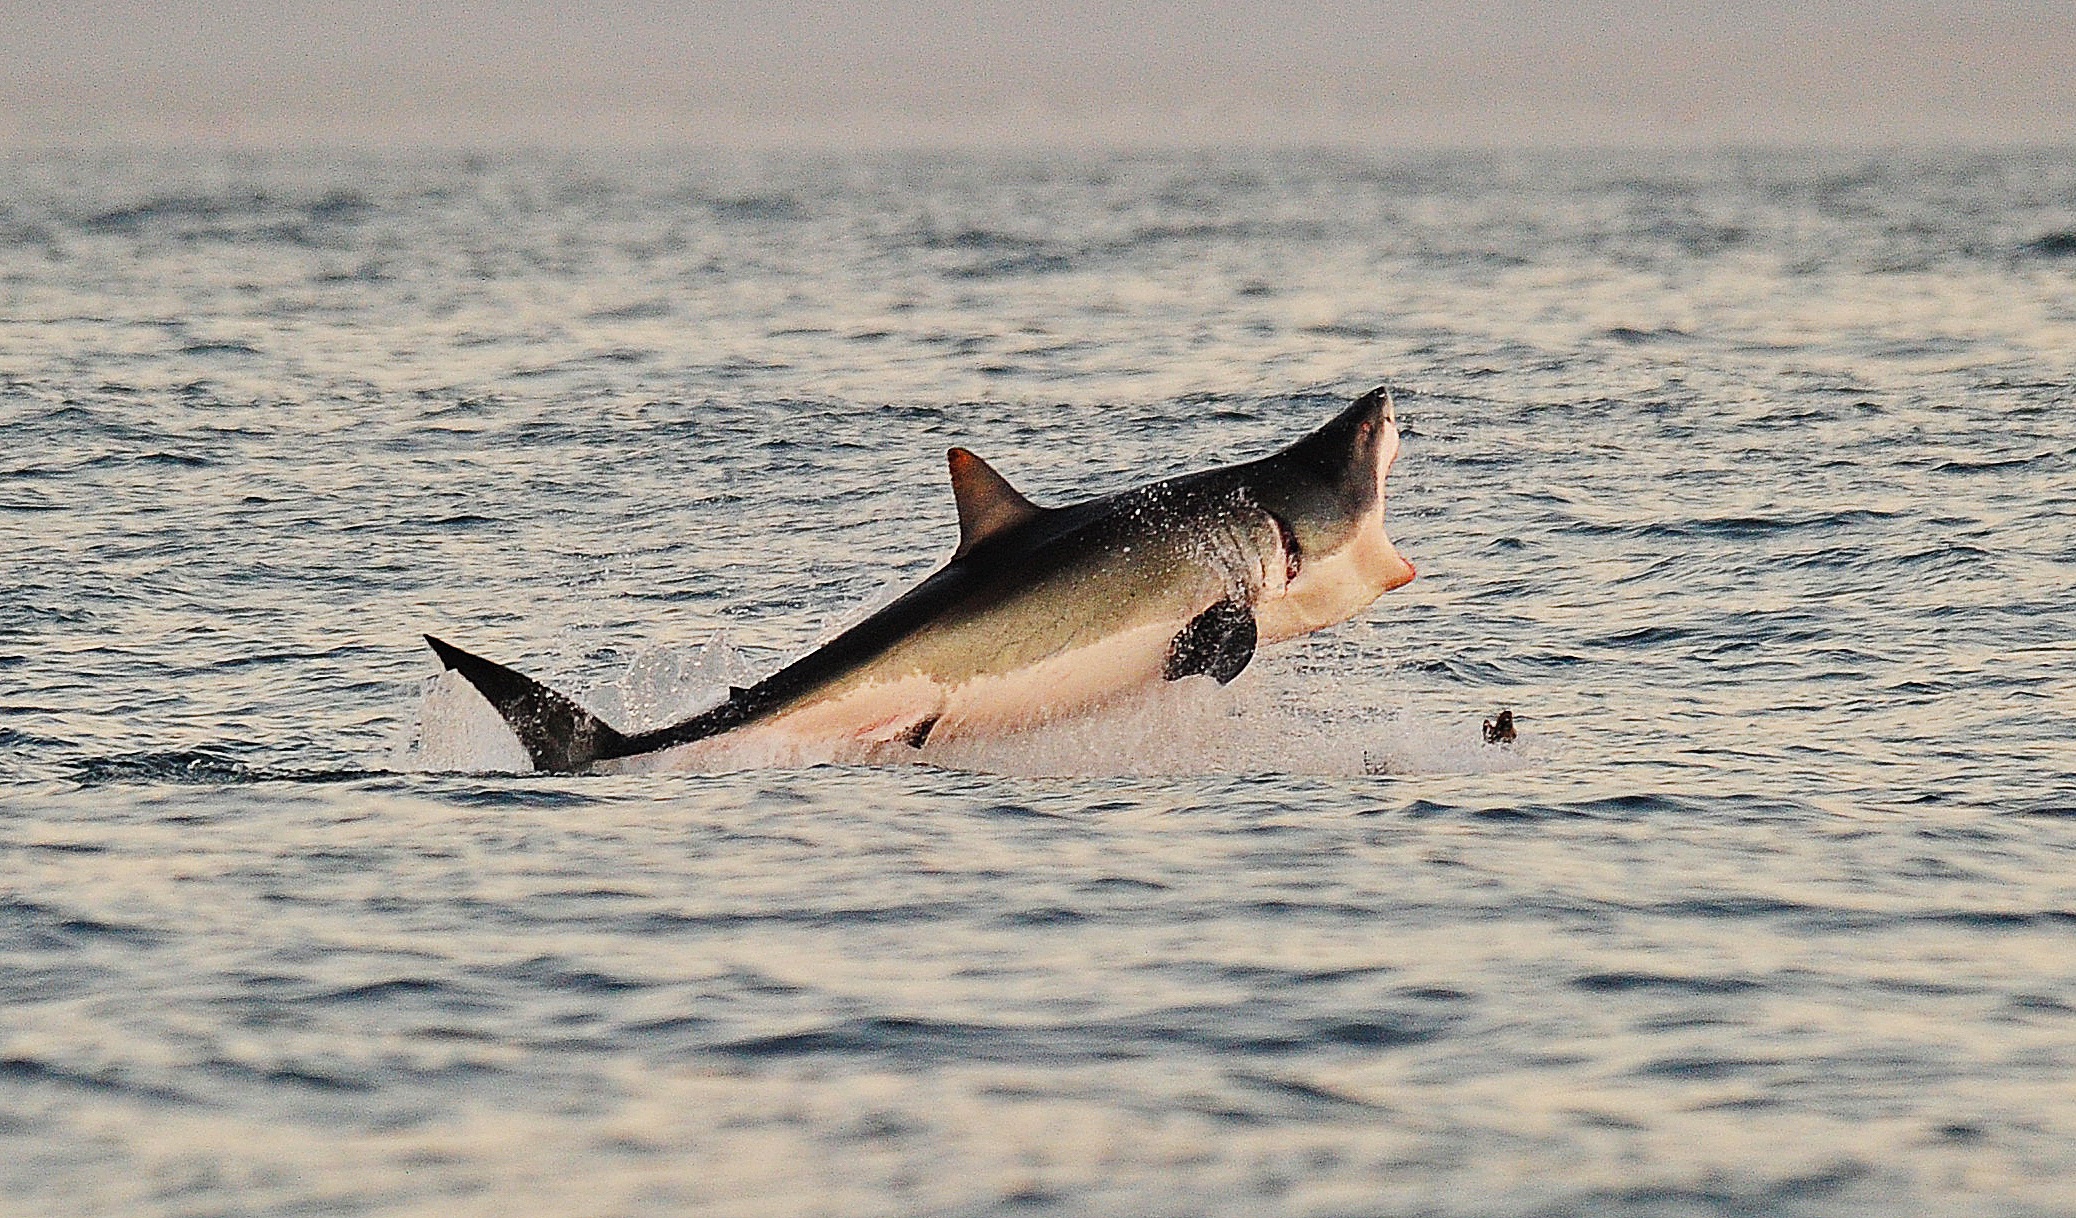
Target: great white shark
(1040, 612)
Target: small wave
(552, 973)
(200, 767)
(883, 1035)
(1625, 982)
(196, 766)
(847, 915)
(369, 272)
(1941, 556)
(1830, 557)
(1731, 908)
(60, 847)
(983, 239)
(1013, 266)
(169, 207)
(1634, 337)
(1345, 329)
(1962, 465)
(1628, 806)
(1703, 1066)
(1018, 812)
(233, 214)
(510, 796)
(260, 659)
(1727, 1195)
(667, 1026)
(2043, 1003)
(1743, 526)
(1996, 918)
(1642, 637)
(2060, 244)
(383, 991)
(50, 924)
(2052, 807)
(1375, 1033)
(1219, 1031)
(1427, 809)
(177, 460)
(1300, 1089)
(1462, 670)
(1266, 232)
(304, 1077)
(220, 348)
(655, 309)
(339, 205)
(24, 1069)
(22, 616)
(756, 207)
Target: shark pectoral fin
(1217, 643)
(559, 735)
(987, 503)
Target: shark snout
(1400, 573)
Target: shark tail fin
(559, 735)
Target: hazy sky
(924, 72)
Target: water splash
(1255, 726)
(1251, 727)
(460, 732)
(667, 684)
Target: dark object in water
(2055, 245)
(1500, 730)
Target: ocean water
(1747, 481)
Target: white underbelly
(870, 721)
(1332, 588)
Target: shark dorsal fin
(987, 503)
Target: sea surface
(1747, 481)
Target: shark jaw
(1041, 613)
(1330, 588)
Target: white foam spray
(459, 731)
(1257, 725)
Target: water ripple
(1738, 479)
